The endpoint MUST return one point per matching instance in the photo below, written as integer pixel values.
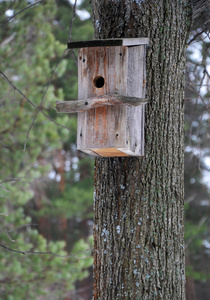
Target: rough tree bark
(138, 206)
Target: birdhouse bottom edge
(109, 152)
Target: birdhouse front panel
(111, 130)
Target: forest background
(46, 185)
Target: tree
(138, 224)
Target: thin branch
(204, 26)
(48, 252)
(196, 35)
(3, 187)
(22, 10)
(43, 96)
(192, 88)
(189, 199)
(14, 229)
(75, 58)
(14, 179)
(3, 144)
(70, 29)
(72, 20)
(200, 224)
(10, 237)
(10, 7)
(17, 228)
(36, 107)
(198, 7)
(2, 196)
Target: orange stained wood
(100, 125)
(108, 152)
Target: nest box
(111, 97)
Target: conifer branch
(17, 228)
(22, 10)
(49, 82)
(47, 252)
(43, 96)
(29, 101)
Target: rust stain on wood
(100, 125)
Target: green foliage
(29, 275)
(193, 236)
(196, 275)
(32, 44)
(78, 193)
(73, 197)
(41, 272)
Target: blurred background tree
(51, 183)
(197, 159)
(54, 188)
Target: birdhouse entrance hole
(98, 81)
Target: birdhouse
(111, 97)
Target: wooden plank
(135, 41)
(116, 126)
(107, 152)
(100, 126)
(94, 102)
(85, 133)
(111, 63)
(108, 43)
(136, 88)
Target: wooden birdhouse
(111, 97)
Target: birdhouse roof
(109, 42)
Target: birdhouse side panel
(136, 87)
(135, 130)
(136, 73)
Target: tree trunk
(139, 202)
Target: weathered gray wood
(108, 43)
(135, 115)
(90, 152)
(94, 102)
(119, 127)
(103, 127)
(135, 41)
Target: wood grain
(105, 126)
(108, 43)
(94, 102)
